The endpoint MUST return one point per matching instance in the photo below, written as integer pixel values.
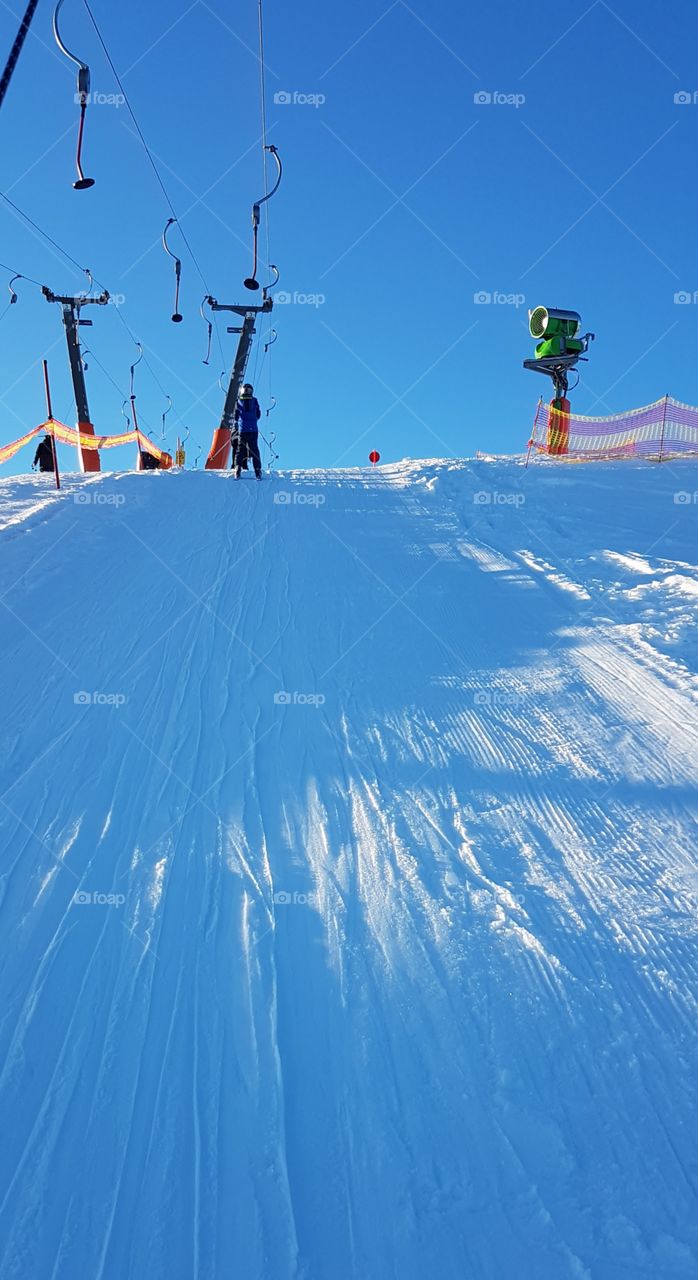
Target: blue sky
(403, 199)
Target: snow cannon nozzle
(559, 344)
(550, 322)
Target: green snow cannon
(557, 330)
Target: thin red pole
(533, 433)
(49, 410)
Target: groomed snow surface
(349, 893)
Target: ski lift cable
(14, 276)
(68, 256)
(107, 374)
(17, 48)
(146, 361)
(85, 271)
(20, 275)
(113, 382)
(17, 275)
(146, 148)
(158, 383)
(83, 96)
(142, 356)
(151, 161)
(64, 253)
(263, 114)
(267, 223)
(267, 150)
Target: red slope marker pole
(533, 432)
(49, 411)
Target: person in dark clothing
(44, 455)
(235, 442)
(247, 415)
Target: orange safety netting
(9, 450)
(70, 435)
(665, 429)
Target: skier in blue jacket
(247, 415)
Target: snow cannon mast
(558, 350)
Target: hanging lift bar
(176, 317)
(209, 325)
(83, 96)
(70, 306)
(251, 282)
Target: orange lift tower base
(88, 458)
(219, 453)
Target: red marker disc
(374, 457)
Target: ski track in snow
(393, 984)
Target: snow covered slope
(349, 887)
